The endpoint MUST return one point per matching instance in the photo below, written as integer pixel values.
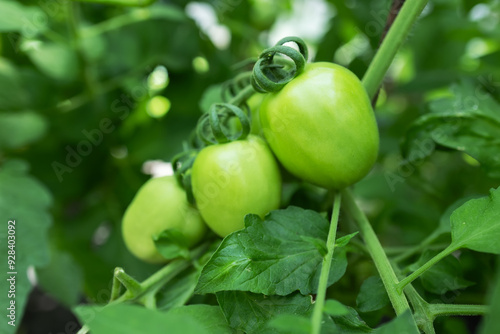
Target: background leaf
(27, 201)
(372, 295)
(21, 128)
(62, 278)
(468, 122)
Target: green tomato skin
(159, 204)
(234, 179)
(321, 126)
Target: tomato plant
(162, 203)
(349, 176)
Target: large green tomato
(159, 204)
(321, 126)
(234, 179)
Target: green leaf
(372, 295)
(444, 221)
(21, 128)
(27, 201)
(468, 122)
(476, 224)
(20, 18)
(350, 323)
(271, 257)
(178, 291)
(250, 312)
(289, 324)
(334, 307)
(210, 317)
(171, 244)
(402, 324)
(56, 61)
(444, 276)
(13, 95)
(133, 319)
(62, 278)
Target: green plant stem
(377, 253)
(243, 95)
(421, 310)
(396, 251)
(73, 24)
(410, 278)
(393, 40)
(131, 17)
(437, 310)
(424, 244)
(317, 315)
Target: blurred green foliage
(76, 83)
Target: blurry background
(92, 94)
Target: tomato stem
(410, 278)
(390, 45)
(317, 315)
(243, 95)
(457, 310)
(377, 253)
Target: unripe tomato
(159, 204)
(321, 126)
(234, 179)
(254, 103)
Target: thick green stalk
(377, 253)
(392, 41)
(317, 315)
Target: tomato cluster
(320, 126)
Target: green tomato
(159, 204)
(321, 126)
(234, 179)
(254, 103)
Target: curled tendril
(271, 76)
(182, 164)
(194, 142)
(231, 88)
(210, 127)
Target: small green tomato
(234, 179)
(159, 204)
